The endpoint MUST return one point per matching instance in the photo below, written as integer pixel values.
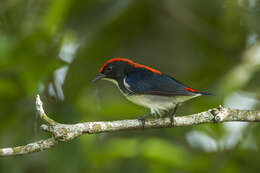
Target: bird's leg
(172, 115)
(143, 118)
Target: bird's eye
(109, 68)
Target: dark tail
(204, 93)
(198, 92)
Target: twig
(67, 132)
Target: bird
(147, 87)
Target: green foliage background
(205, 44)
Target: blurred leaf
(165, 152)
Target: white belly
(158, 104)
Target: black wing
(147, 82)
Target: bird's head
(115, 69)
(118, 68)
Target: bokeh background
(55, 48)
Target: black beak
(98, 77)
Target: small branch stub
(38, 105)
(40, 110)
(221, 114)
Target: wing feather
(147, 82)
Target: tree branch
(66, 132)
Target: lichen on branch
(66, 132)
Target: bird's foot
(142, 119)
(172, 115)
